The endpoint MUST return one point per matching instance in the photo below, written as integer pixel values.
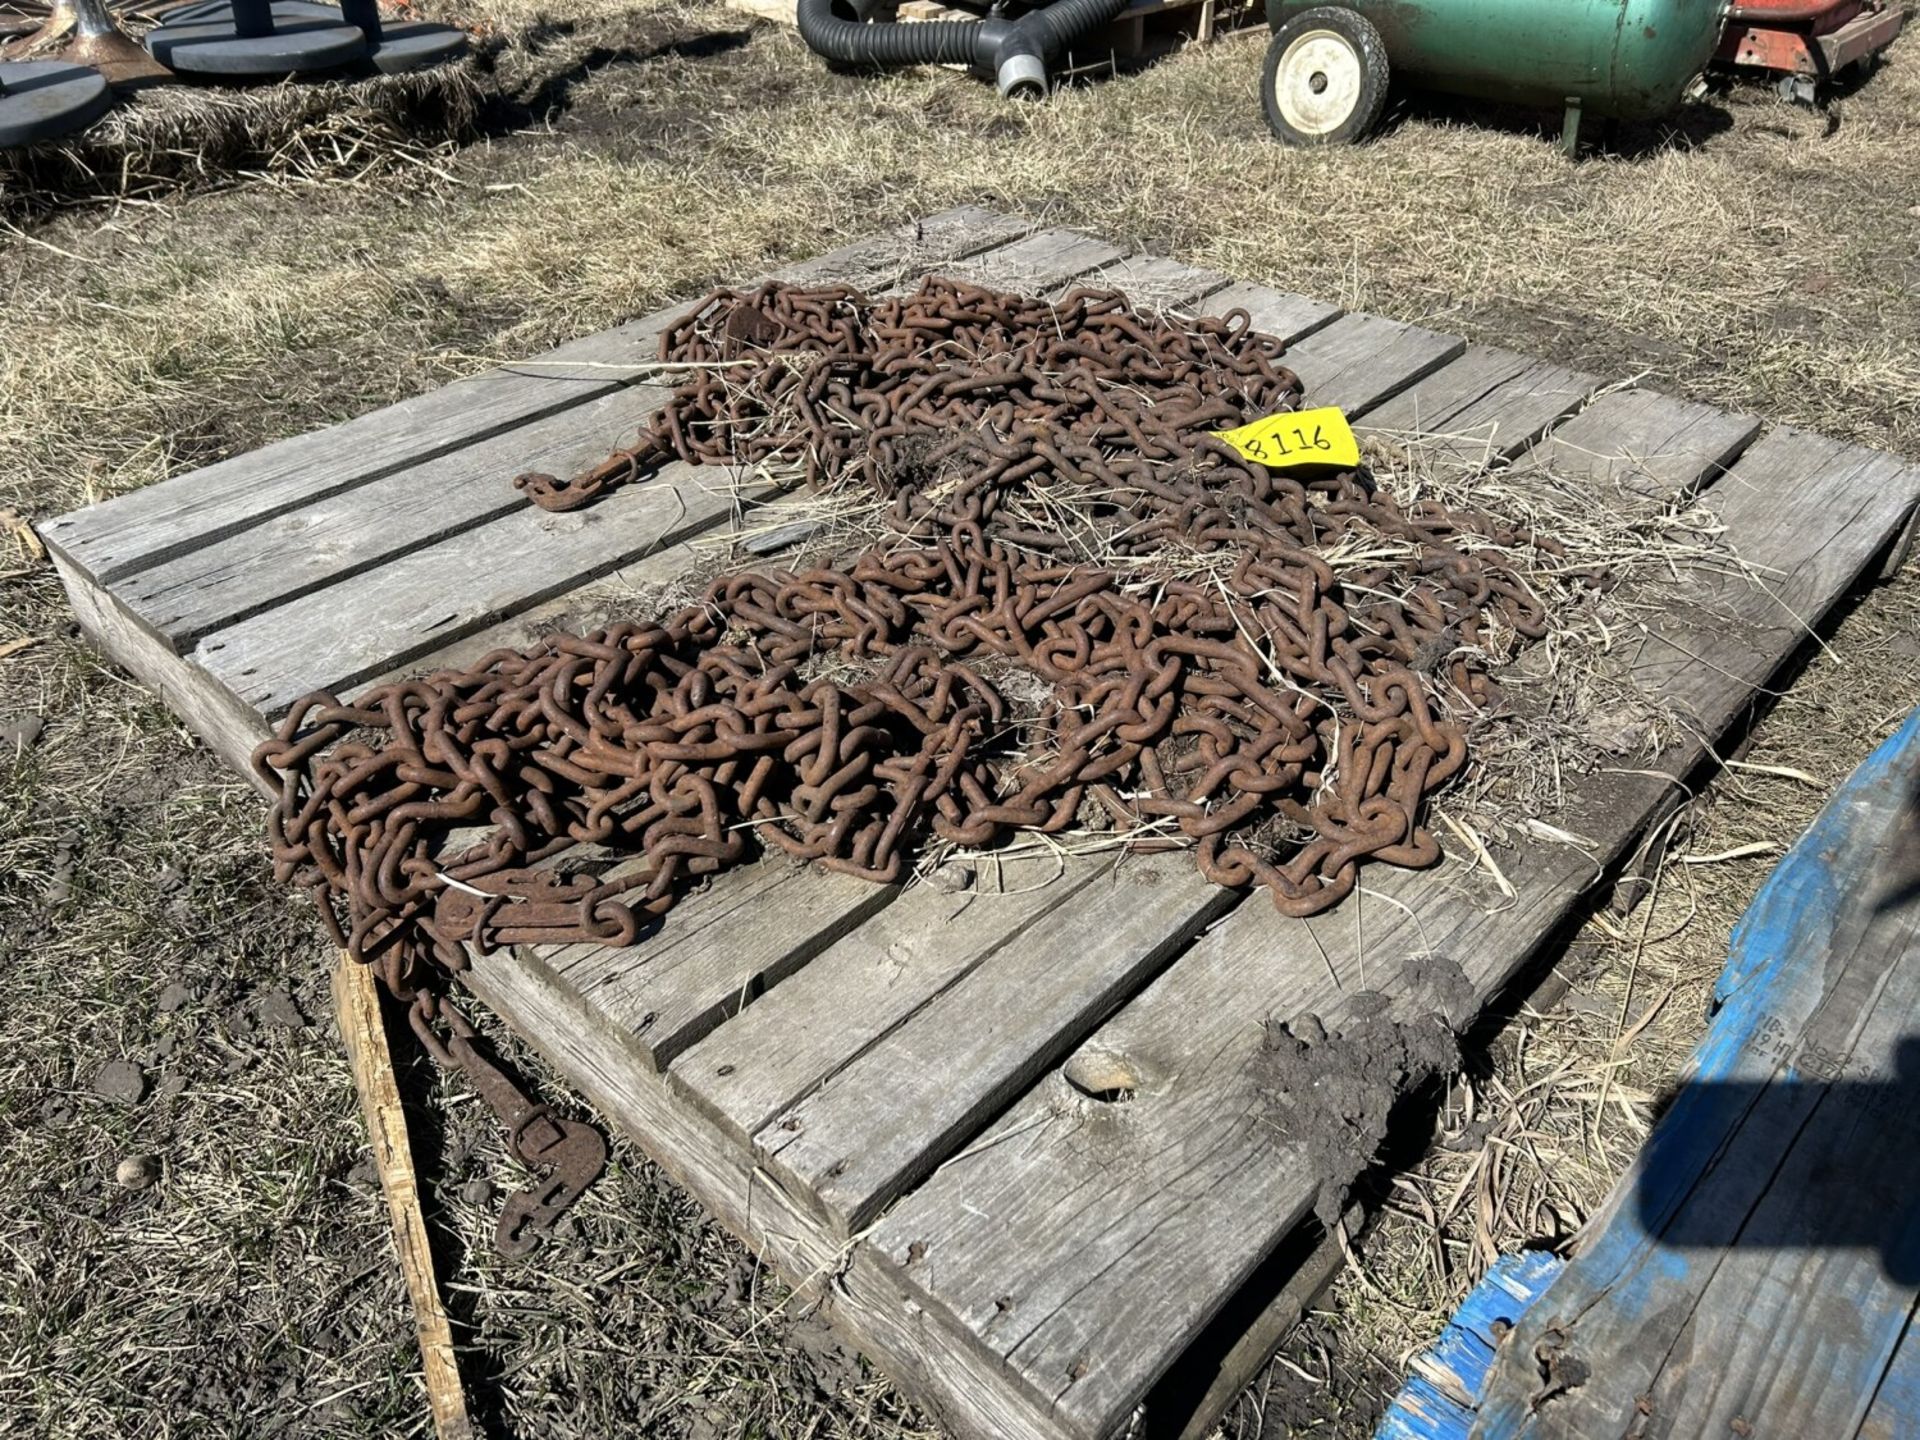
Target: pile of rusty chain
(1276, 669)
(850, 391)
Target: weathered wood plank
(342, 535)
(118, 537)
(1151, 282)
(964, 1391)
(1644, 444)
(1803, 505)
(1360, 360)
(1038, 263)
(1758, 1265)
(1895, 1413)
(717, 950)
(1488, 404)
(891, 1115)
(356, 1009)
(1277, 312)
(348, 632)
(1088, 1254)
(874, 262)
(860, 988)
(209, 709)
(1801, 1317)
(131, 532)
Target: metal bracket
(572, 1154)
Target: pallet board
(1756, 1271)
(1448, 1379)
(1007, 1112)
(1488, 404)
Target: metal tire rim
(1318, 82)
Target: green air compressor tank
(1625, 59)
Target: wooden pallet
(1445, 1382)
(1756, 1271)
(905, 1099)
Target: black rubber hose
(1026, 50)
(1015, 53)
(850, 42)
(1065, 20)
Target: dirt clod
(277, 1007)
(21, 732)
(1331, 1091)
(951, 878)
(121, 1081)
(173, 997)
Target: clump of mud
(1330, 1092)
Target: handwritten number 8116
(1275, 446)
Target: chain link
(1276, 669)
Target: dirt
(121, 1081)
(1332, 1092)
(277, 1007)
(21, 732)
(1319, 1385)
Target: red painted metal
(1760, 47)
(1812, 38)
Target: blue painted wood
(1422, 1412)
(1757, 1262)
(1895, 1414)
(1442, 1394)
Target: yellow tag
(1302, 437)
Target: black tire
(1332, 103)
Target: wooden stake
(356, 1000)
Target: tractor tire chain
(1057, 506)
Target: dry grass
(160, 142)
(1759, 257)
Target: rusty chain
(569, 1155)
(1277, 669)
